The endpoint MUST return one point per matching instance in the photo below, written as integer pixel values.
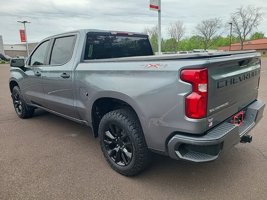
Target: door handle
(65, 75)
(37, 73)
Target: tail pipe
(246, 139)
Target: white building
(14, 50)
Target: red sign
(22, 35)
(154, 5)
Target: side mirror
(17, 62)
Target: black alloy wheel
(118, 145)
(22, 109)
(17, 103)
(123, 143)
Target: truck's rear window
(108, 45)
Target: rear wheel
(22, 109)
(122, 142)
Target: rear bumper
(209, 146)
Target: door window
(39, 55)
(62, 50)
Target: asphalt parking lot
(48, 157)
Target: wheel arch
(105, 104)
(12, 84)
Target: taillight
(196, 102)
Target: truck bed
(173, 56)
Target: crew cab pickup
(189, 107)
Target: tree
(208, 29)
(245, 20)
(220, 41)
(176, 31)
(168, 45)
(189, 44)
(257, 35)
(152, 31)
(153, 37)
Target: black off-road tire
(22, 109)
(131, 132)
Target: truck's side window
(62, 50)
(39, 55)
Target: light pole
(155, 5)
(24, 24)
(231, 30)
(159, 25)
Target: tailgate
(233, 84)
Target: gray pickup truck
(189, 107)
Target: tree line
(210, 33)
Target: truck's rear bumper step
(208, 147)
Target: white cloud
(50, 17)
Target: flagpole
(159, 28)
(26, 36)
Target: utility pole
(155, 5)
(27, 45)
(231, 30)
(159, 34)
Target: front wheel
(22, 109)
(123, 143)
